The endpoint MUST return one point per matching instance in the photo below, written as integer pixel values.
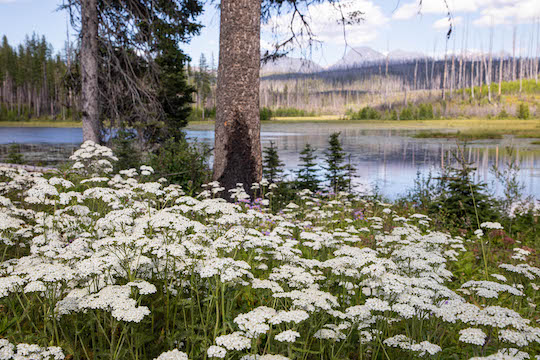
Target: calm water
(389, 158)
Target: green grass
(527, 134)
(536, 142)
(40, 123)
(529, 86)
(472, 135)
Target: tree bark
(237, 150)
(89, 69)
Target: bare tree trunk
(453, 70)
(386, 82)
(444, 71)
(514, 33)
(432, 69)
(415, 73)
(237, 151)
(501, 69)
(427, 73)
(490, 63)
(461, 78)
(501, 61)
(89, 68)
(472, 79)
(520, 74)
(537, 49)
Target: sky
(385, 25)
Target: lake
(384, 158)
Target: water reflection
(387, 157)
(391, 159)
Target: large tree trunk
(237, 151)
(89, 68)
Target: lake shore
(518, 127)
(47, 124)
(521, 128)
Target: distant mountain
(358, 57)
(286, 65)
(403, 55)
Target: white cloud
(516, 11)
(324, 20)
(488, 11)
(444, 23)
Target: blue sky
(388, 24)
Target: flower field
(98, 265)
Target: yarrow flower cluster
(92, 158)
(472, 336)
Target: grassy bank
(458, 128)
(458, 135)
(54, 124)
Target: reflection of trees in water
(389, 157)
(393, 160)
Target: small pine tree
(307, 172)
(272, 165)
(125, 150)
(350, 171)
(465, 202)
(336, 171)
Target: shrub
(523, 111)
(197, 115)
(183, 163)
(126, 150)
(292, 112)
(464, 202)
(425, 112)
(503, 114)
(366, 113)
(265, 113)
(407, 113)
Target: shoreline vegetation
(462, 129)
(42, 123)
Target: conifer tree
(307, 172)
(350, 171)
(203, 83)
(272, 165)
(174, 93)
(336, 170)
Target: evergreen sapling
(307, 172)
(336, 170)
(272, 165)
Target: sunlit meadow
(98, 265)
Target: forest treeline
(34, 81)
(37, 82)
